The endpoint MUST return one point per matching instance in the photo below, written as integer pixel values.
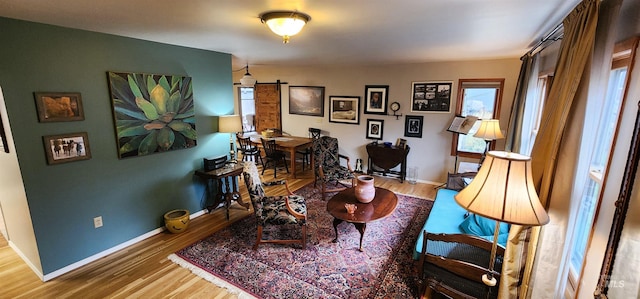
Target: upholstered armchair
(275, 210)
(327, 167)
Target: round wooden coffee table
(381, 206)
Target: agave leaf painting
(152, 113)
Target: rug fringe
(210, 277)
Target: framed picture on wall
(431, 96)
(344, 109)
(59, 106)
(376, 97)
(306, 100)
(374, 128)
(67, 147)
(413, 126)
(4, 144)
(152, 113)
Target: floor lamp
(503, 191)
(489, 130)
(230, 124)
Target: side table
(226, 176)
(382, 159)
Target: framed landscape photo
(413, 126)
(59, 106)
(431, 96)
(376, 98)
(374, 128)
(344, 109)
(67, 147)
(306, 100)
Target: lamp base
(489, 281)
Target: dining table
(288, 144)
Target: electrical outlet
(97, 222)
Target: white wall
(13, 198)
(431, 153)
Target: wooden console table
(382, 159)
(226, 176)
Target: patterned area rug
(324, 270)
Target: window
(480, 98)
(247, 108)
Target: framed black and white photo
(413, 126)
(306, 100)
(376, 97)
(431, 96)
(374, 128)
(344, 109)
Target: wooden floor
(143, 270)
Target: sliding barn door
(267, 97)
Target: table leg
(292, 155)
(361, 227)
(336, 221)
(228, 195)
(236, 194)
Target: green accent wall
(130, 194)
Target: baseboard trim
(26, 260)
(99, 255)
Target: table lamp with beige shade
(230, 124)
(503, 190)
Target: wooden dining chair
(272, 155)
(248, 149)
(314, 134)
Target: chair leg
(259, 238)
(284, 160)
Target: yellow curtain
(575, 51)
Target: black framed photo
(344, 109)
(413, 126)
(59, 106)
(374, 128)
(431, 96)
(376, 98)
(67, 147)
(306, 100)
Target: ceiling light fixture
(247, 80)
(285, 23)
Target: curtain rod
(546, 38)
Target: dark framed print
(152, 113)
(67, 147)
(4, 144)
(344, 109)
(374, 128)
(431, 96)
(59, 106)
(376, 97)
(306, 100)
(413, 126)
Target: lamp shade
(285, 23)
(247, 80)
(503, 190)
(489, 130)
(229, 124)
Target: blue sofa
(448, 217)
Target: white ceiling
(340, 31)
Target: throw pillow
(457, 181)
(481, 226)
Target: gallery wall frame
(413, 126)
(375, 128)
(59, 106)
(344, 109)
(65, 148)
(152, 113)
(376, 99)
(431, 96)
(306, 100)
(4, 143)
